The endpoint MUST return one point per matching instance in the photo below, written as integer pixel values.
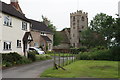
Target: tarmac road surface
(27, 71)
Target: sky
(58, 11)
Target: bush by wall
(31, 55)
(13, 58)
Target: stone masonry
(78, 23)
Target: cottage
(42, 35)
(14, 29)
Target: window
(18, 43)
(82, 27)
(8, 21)
(36, 44)
(73, 27)
(83, 18)
(7, 45)
(74, 23)
(73, 18)
(42, 33)
(77, 22)
(24, 25)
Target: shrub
(43, 57)
(96, 55)
(82, 49)
(49, 52)
(115, 53)
(31, 55)
(24, 60)
(98, 48)
(6, 64)
(12, 57)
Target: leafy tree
(103, 24)
(106, 27)
(92, 39)
(57, 37)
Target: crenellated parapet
(79, 12)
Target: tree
(57, 37)
(103, 24)
(116, 32)
(92, 39)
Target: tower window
(73, 18)
(83, 18)
(82, 27)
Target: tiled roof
(25, 38)
(36, 25)
(46, 38)
(9, 9)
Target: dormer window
(24, 25)
(8, 21)
(43, 34)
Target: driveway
(27, 71)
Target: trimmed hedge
(113, 54)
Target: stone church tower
(78, 23)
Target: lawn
(85, 69)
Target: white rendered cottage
(14, 29)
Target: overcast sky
(58, 11)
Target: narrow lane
(27, 71)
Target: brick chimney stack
(15, 4)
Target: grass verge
(85, 69)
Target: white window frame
(8, 21)
(24, 25)
(7, 45)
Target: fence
(64, 57)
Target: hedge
(112, 54)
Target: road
(27, 71)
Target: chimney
(15, 4)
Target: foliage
(115, 53)
(116, 32)
(31, 55)
(100, 54)
(92, 39)
(57, 37)
(108, 27)
(103, 31)
(24, 60)
(85, 69)
(11, 57)
(43, 57)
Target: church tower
(78, 23)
